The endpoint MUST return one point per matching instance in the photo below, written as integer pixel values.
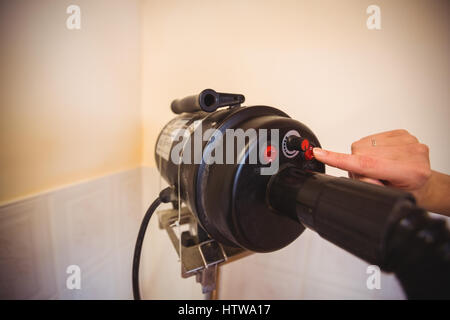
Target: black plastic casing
(229, 200)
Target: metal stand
(200, 255)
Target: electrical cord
(165, 196)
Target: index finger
(367, 166)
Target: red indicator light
(270, 154)
(305, 144)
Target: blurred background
(80, 110)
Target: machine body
(229, 198)
(239, 207)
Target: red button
(309, 155)
(305, 144)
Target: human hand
(397, 159)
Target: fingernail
(319, 152)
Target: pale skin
(396, 159)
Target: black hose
(418, 252)
(164, 196)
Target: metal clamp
(199, 258)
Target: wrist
(435, 194)
(425, 195)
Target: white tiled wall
(26, 251)
(91, 224)
(94, 225)
(309, 268)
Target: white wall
(316, 60)
(70, 115)
(92, 225)
(69, 99)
